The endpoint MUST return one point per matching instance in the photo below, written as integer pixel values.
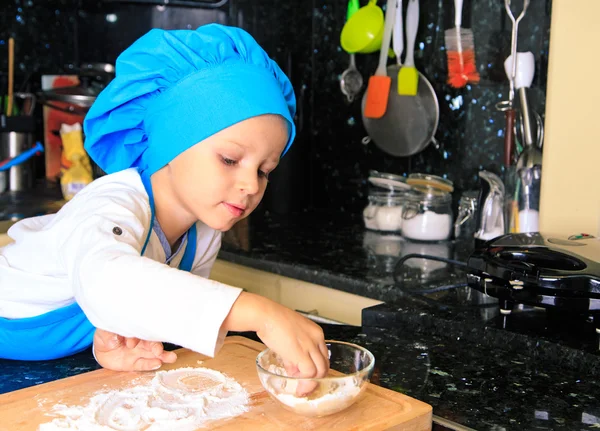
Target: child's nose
(248, 181)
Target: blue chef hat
(173, 89)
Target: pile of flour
(177, 400)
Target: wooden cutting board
(379, 409)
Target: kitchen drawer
(321, 301)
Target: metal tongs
(507, 106)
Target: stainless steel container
(16, 136)
(18, 177)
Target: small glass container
(427, 215)
(384, 212)
(351, 368)
(466, 222)
(386, 198)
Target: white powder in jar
(389, 219)
(427, 226)
(383, 218)
(369, 214)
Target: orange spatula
(378, 90)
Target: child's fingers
(131, 342)
(316, 367)
(157, 348)
(168, 357)
(300, 388)
(107, 340)
(320, 362)
(291, 369)
(146, 364)
(307, 368)
(325, 352)
(305, 387)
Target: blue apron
(66, 331)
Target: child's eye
(263, 174)
(228, 162)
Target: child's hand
(119, 353)
(299, 341)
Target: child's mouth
(234, 209)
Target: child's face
(222, 179)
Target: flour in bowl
(177, 400)
(330, 396)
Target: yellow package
(75, 163)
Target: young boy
(188, 132)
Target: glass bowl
(351, 367)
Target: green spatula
(408, 77)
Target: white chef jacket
(89, 252)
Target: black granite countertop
(449, 348)
(438, 342)
(465, 384)
(338, 252)
(44, 198)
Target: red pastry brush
(460, 50)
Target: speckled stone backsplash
(470, 130)
(328, 166)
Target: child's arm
(128, 294)
(298, 340)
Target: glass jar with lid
(427, 215)
(384, 212)
(386, 199)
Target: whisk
(507, 106)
